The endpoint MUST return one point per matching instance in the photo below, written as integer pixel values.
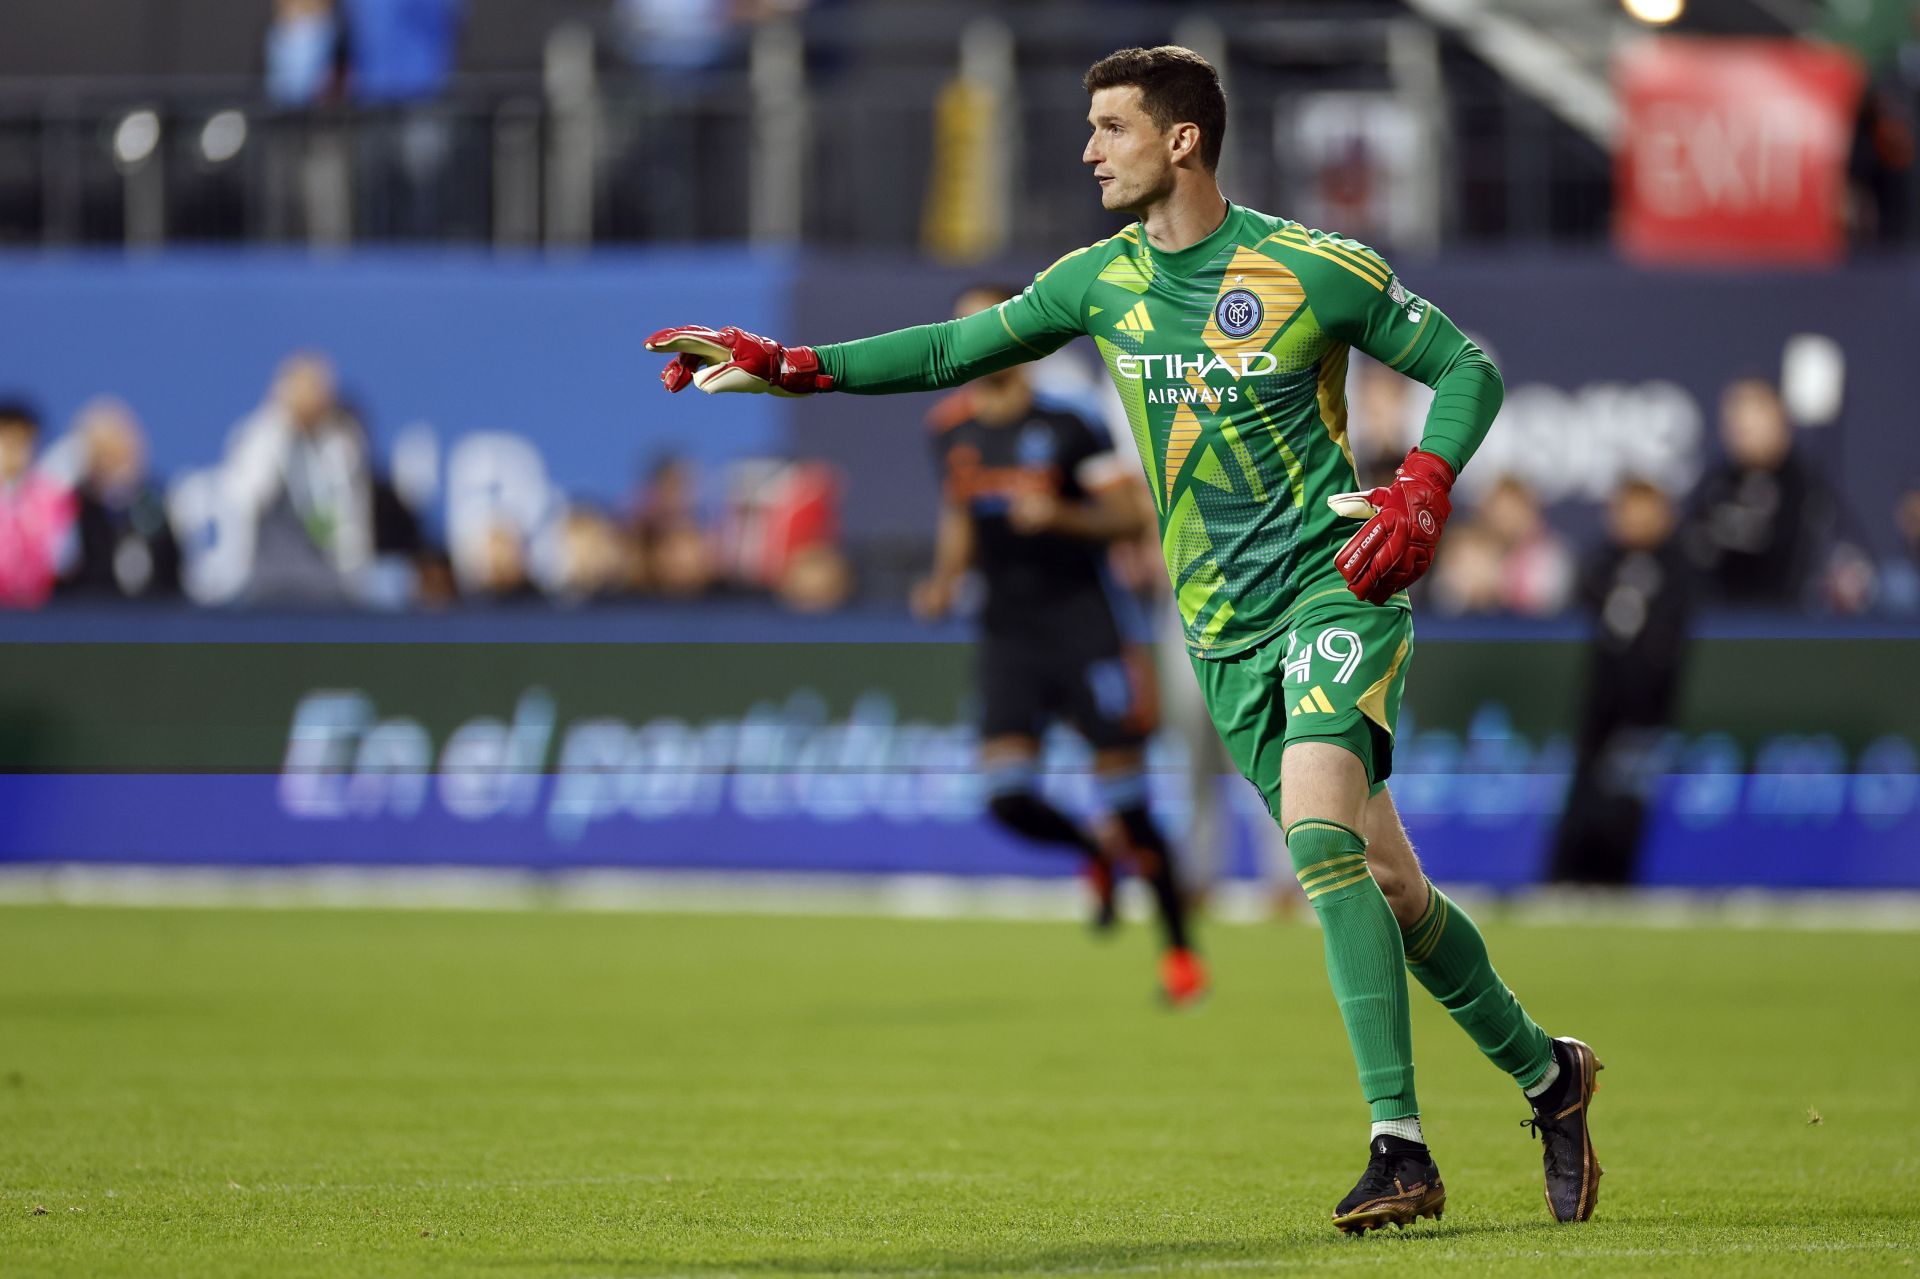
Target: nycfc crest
(1239, 313)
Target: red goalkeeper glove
(1394, 549)
(730, 359)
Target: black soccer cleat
(1401, 1185)
(1560, 1121)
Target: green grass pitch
(291, 1094)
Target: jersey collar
(1194, 256)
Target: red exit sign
(1733, 151)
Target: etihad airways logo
(1180, 367)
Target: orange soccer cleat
(1183, 979)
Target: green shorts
(1335, 675)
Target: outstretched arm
(1038, 322)
(933, 357)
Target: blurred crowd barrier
(848, 750)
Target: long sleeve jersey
(1231, 359)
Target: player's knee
(1329, 859)
(1403, 890)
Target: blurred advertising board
(858, 757)
(1733, 150)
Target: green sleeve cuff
(1465, 401)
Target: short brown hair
(1177, 86)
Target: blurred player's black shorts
(1085, 676)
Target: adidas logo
(1314, 703)
(1136, 320)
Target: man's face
(1754, 426)
(305, 390)
(1640, 518)
(1130, 155)
(116, 449)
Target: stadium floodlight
(1655, 13)
(136, 137)
(221, 138)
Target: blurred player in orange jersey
(1033, 497)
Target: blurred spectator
(679, 36)
(674, 554)
(1900, 577)
(690, 37)
(36, 512)
(783, 519)
(593, 560)
(306, 54)
(401, 550)
(1762, 518)
(1469, 577)
(126, 543)
(402, 50)
(306, 165)
(817, 579)
(435, 586)
(1849, 583)
(402, 57)
(1880, 164)
(1639, 588)
(500, 568)
(298, 468)
(1536, 568)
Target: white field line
(891, 896)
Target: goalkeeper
(1226, 332)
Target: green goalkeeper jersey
(1231, 359)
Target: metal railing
(824, 135)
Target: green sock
(1364, 958)
(1448, 955)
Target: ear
(1183, 140)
